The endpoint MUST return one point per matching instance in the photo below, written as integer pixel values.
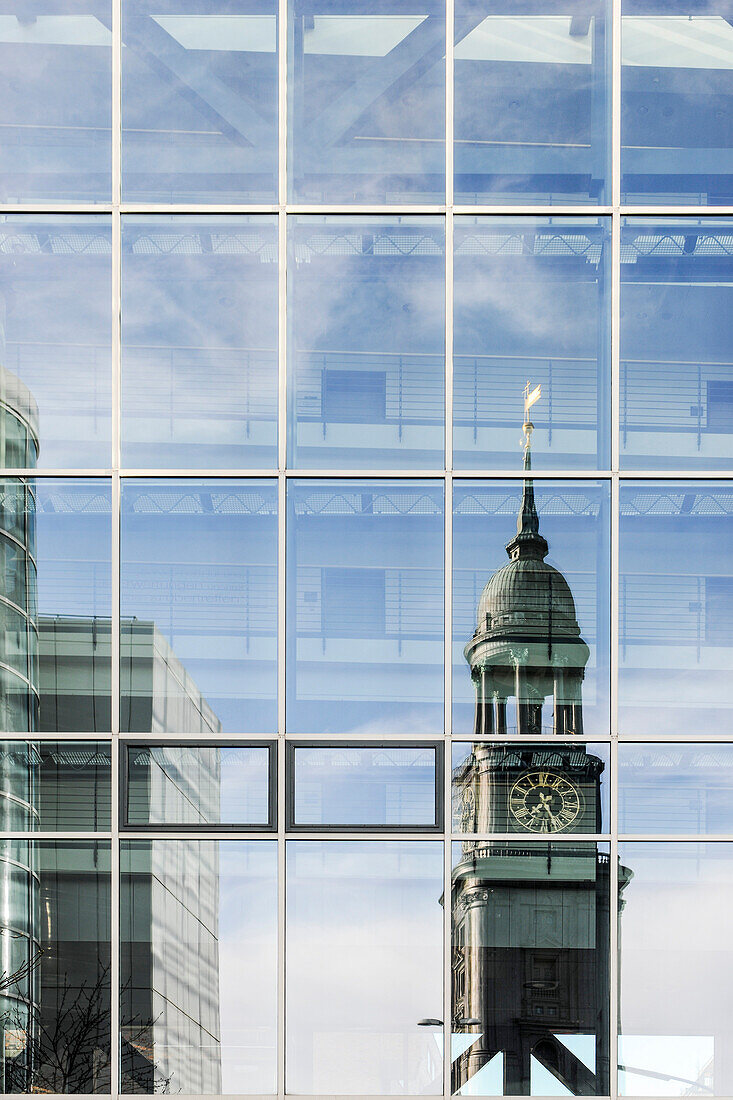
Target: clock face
(544, 802)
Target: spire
(528, 542)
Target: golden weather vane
(530, 397)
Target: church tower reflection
(530, 916)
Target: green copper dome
(530, 591)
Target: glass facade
(366, 570)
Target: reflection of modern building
(530, 921)
(51, 972)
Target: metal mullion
(665, 211)
(345, 211)
(281, 531)
(56, 834)
(677, 838)
(210, 833)
(55, 208)
(613, 956)
(545, 738)
(535, 211)
(191, 208)
(530, 839)
(171, 474)
(675, 738)
(10, 472)
(115, 1082)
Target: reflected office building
(55, 1008)
(531, 918)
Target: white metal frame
(615, 211)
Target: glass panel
(367, 101)
(55, 101)
(676, 956)
(55, 996)
(199, 606)
(55, 605)
(198, 966)
(199, 332)
(367, 344)
(676, 608)
(530, 969)
(675, 788)
(55, 785)
(198, 784)
(199, 101)
(676, 349)
(677, 58)
(532, 301)
(365, 607)
(367, 785)
(55, 333)
(532, 101)
(364, 950)
(558, 788)
(531, 632)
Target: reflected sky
(199, 606)
(366, 301)
(676, 381)
(364, 936)
(532, 102)
(365, 785)
(55, 338)
(199, 342)
(532, 301)
(199, 101)
(675, 102)
(365, 607)
(55, 102)
(574, 519)
(676, 1008)
(676, 608)
(367, 101)
(675, 788)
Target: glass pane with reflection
(676, 101)
(364, 943)
(199, 784)
(55, 785)
(55, 542)
(532, 102)
(676, 608)
(55, 995)
(55, 101)
(199, 101)
(365, 785)
(676, 381)
(199, 606)
(531, 634)
(676, 958)
(198, 966)
(531, 959)
(365, 607)
(675, 788)
(367, 101)
(518, 788)
(366, 350)
(199, 342)
(55, 338)
(532, 301)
